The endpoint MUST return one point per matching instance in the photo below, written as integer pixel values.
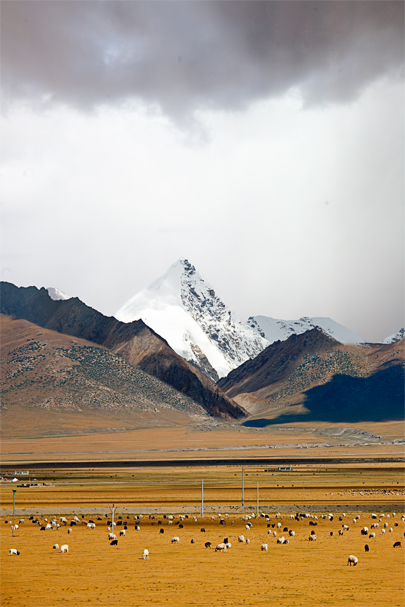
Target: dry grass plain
(301, 573)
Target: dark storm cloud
(184, 56)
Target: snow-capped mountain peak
(184, 309)
(274, 329)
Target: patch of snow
(395, 337)
(56, 294)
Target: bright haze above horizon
(263, 141)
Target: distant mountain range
(312, 369)
(183, 307)
(139, 345)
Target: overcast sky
(263, 141)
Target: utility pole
(112, 518)
(14, 492)
(202, 497)
(257, 501)
(243, 486)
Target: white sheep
(64, 548)
(175, 540)
(385, 525)
(70, 530)
(21, 521)
(278, 525)
(220, 547)
(122, 532)
(91, 525)
(390, 529)
(137, 527)
(248, 541)
(364, 531)
(269, 532)
(312, 538)
(55, 546)
(372, 534)
(241, 539)
(264, 547)
(228, 545)
(291, 533)
(340, 532)
(63, 520)
(274, 533)
(382, 531)
(374, 516)
(145, 554)
(112, 536)
(281, 540)
(13, 551)
(352, 560)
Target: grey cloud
(185, 56)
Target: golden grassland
(301, 573)
(183, 442)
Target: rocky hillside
(42, 368)
(135, 342)
(331, 379)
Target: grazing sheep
(331, 533)
(114, 543)
(264, 547)
(345, 527)
(192, 540)
(202, 530)
(340, 532)
(70, 530)
(161, 530)
(175, 540)
(122, 532)
(64, 548)
(221, 547)
(91, 525)
(112, 536)
(397, 545)
(55, 546)
(195, 519)
(364, 531)
(274, 533)
(374, 516)
(208, 544)
(385, 525)
(269, 531)
(352, 560)
(228, 545)
(137, 528)
(13, 551)
(278, 525)
(241, 539)
(372, 534)
(367, 548)
(312, 538)
(145, 554)
(382, 531)
(390, 529)
(248, 541)
(281, 540)
(21, 521)
(226, 540)
(291, 533)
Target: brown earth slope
(53, 383)
(335, 382)
(134, 341)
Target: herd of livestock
(276, 532)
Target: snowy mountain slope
(184, 309)
(393, 338)
(274, 329)
(56, 294)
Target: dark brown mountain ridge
(134, 341)
(312, 377)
